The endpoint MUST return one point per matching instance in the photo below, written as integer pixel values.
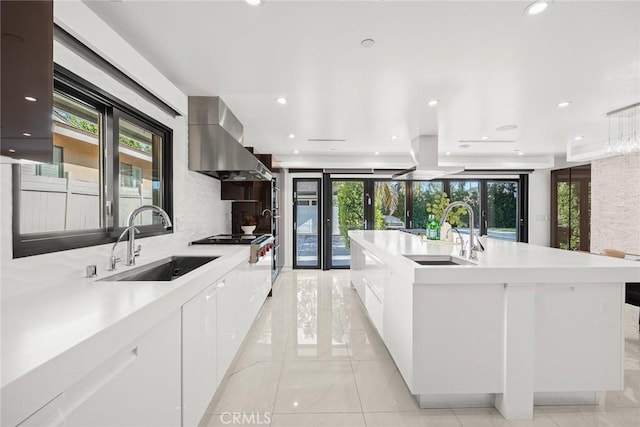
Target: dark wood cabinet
(27, 80)
(253, 191)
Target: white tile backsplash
(615, 203)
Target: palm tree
(387, 194)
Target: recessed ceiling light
(564, 104)
(520, 153)
(377, 153)
(577, 138)
(30, 98)
(281, 101)
(291, 136)
(504, 128)
(464, 146)
(432, 103)
(12, 150)
(367, 43)
(394, 136)
(295, 151)
(537, 7)
(26, 133)
(484, 138)
(448, 153)
(254, 2)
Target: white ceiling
(488, 63)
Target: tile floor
(312, 358)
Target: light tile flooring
(312, 358)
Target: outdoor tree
(439, 204)
(389, 200)
(423, 193)
(350, 197)
(501, 198)
(569, 215)
(466, 192)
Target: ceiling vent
(326, 140)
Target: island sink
(164, 270)
(437, 260)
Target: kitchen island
(519, 326)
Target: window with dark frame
(108, 159)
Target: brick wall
(615, 203)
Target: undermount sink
(437, 260)
(163, 270)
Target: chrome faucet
(113, 260)
(131, 251)
(473, 247)
(462, 251)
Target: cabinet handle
(375, 294)
(210, 294)
(373, 257)
(76, 396)
(220, 285)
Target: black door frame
(368, 214)
(369, 189)
(319, 239)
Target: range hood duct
(424, 151)
(215, 143)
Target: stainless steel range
(261, 244)
(258, 269)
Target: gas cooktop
(232, 239)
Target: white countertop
(76, 320)
(502, 262)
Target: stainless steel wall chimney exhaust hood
(215, 143)
(424, 150)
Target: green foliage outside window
(389, 201)
(350, 197)
(501, 197)
(439, 204)
(568, 201)
(423, 194)
(466, 191)
(129, 142)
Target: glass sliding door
(347, 213)
(422, 194)
(571, 208)
(306, 222)
(390, 212)
(502, 210)
(466, 191)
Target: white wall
(198, 211)
(615, 203)
(540, 207)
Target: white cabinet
(228, 337)
(50, 415)
(357, 264)
(199, 359)
(140, 385)
(577, 331)
(375, 276)
(398, 322)
(254, 283)
(214, 324)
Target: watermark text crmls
(257, 418)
